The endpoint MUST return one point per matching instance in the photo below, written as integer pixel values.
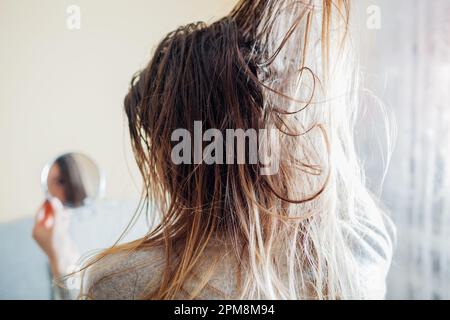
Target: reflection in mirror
(73, 178)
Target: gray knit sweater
(128, 275)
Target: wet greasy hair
(280, 64)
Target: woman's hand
(51, 232)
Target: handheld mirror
(73, 178)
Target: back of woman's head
(264, 73)
(205, 77)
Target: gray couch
(24, 272)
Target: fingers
(60, 214)
(56, 205)
(49, 221)
(47, 212)
(50, 213)
(40, 215)
(43, 212)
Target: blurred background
(63, 80)
(407, 65)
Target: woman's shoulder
(372, 241)
(123, 275)
(374, 238)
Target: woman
(308, 230)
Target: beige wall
(62, 90)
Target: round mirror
(73, 178)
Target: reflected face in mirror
(73, 178)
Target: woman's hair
(71, 181)
(269, 64)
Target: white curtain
(407, 64)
